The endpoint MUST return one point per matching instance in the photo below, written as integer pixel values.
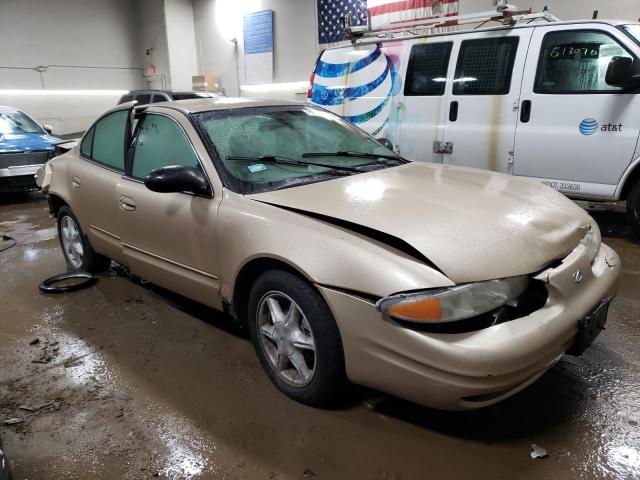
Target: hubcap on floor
(286, 339)
(72, 242)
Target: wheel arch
(248, 274)
(56, 202)
(630, 177)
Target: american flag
(383, 12)
(329, 13)
(389, 12)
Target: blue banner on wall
(258, 32)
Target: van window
(159, 97)
(109, 139)
(427, 70)
(576, 61)
(485, 66)
(161, 143)
(143, 98)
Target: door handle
(453, 111)
(525, 111)
(127, 203)
(75, 182)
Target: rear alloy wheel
(633, 208)
(296, 338)
(77, 250)
(71, 240)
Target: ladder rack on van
(504, 14)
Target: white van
(554, 101)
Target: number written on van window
(582, 50)
(576, 61)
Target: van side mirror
(623, 72)
(47, 128)
(177, 178)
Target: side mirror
(47, 128)
(177, 178)
(623, 72)
(385, 142)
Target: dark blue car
(24, 147)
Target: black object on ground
(6, 242)
(49, 285)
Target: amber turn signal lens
(427, 310)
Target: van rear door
(576, 133)
(482, 100)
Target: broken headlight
(454, 303)
(592, 240)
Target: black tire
(633, 208)
(329, 379)
(49, 285)
(91, 261)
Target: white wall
(182, 43)
(567, 9)
(295, 42)
(79, 33)
(152, 45)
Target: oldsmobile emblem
(577, 276)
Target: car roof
(197, 105)
(4, 109)
(153, 90)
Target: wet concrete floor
(139, 383)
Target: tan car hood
(472, 224)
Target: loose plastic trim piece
(48, 285)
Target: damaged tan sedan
(451, 287)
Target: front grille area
(23, 158)
(21, 183)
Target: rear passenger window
(87, 144)
(161, 142)
(126, 98)
(485, 66)
(109, 139)
(576, 61)
(427, 70)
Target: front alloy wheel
(286, 338)
(296, 338)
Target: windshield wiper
(343, 153)
(291, 161)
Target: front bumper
(18, 169)
(18, 178)
(475, 369)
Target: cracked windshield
(270, 148)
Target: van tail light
(311, 79)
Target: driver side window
(161, 142)
(576, 62)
